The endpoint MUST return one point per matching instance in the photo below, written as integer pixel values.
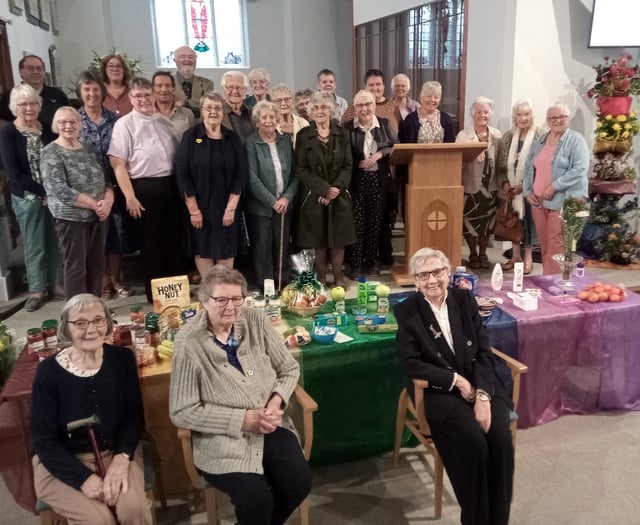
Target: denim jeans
(41, 252)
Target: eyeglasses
(364, 105)
(437, 273)
(82, 324)
(114, 66)
(212, 109)
(63, 123)
(23, 105)
(238, 300)
(141, 97)
(234, 88)
(320, 107)
(558, 118)
(284, 100)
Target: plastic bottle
(518, 276)
(363, 296)
(464, 280)
(496, 278)
(580, 269)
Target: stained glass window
(215, 29)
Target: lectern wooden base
(434, 198)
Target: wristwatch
(483, 396)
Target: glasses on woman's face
(283, 100)
(142, 96)
(212, 109)
(238, 300)
(557, 118)
(114, 66)
(64, 123)
(362, 105)
(82, 324)
(437, 273)
(24, 105)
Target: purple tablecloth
(581, 358)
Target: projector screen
(614, 23)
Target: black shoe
(33, 303)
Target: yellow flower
(625, 134)
(621, 118)
(608, 117)
(602, 134)
(612, 237)
(1, 346)
(198, 141)
(617, 127)
(616, 225)
(633, 114)
(599, 124)
(627, 126)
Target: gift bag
(508, 225)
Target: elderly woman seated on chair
(232, 377)
(89, 390)
(441, 339)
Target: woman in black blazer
(441, 339)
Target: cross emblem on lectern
(437, 220)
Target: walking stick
(89, 422)
(280, 261)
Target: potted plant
(614, 133)
(616, 81)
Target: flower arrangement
(574, 214)
(620, 127)
(7, 353)
(133, 63)
(616, 78)
(612, 167)
(620, 244)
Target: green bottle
(363, 296)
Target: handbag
(508, 224)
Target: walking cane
(89, 422)
(280, 261)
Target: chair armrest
(419, 386)
(309, 406)
(517, 369)
(184, 435)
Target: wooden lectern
(434, 198)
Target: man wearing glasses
(142, 151)
(189, 86)
(32, 72)
(237, 116)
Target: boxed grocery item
(334, 319)
(170, 292)
(525, 301)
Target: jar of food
(50, 334)
(137, 315)
(35, 340)
(122, 336)
(259, 301)
(273, 309)
(139, 337)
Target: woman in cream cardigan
(231, 380)
(514, 149)
(479, 181)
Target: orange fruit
(615, 298)
(603, 296)
(593, 298)
(598, 289)
(583, 295)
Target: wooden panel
(402, 153)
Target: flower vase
(614, 105)
(566, 267)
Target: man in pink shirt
(142, 150)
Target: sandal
(484, 262)
(474, 262)
(33, 303)
(107, 293)
(122, 290)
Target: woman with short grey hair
(480, 183)
(288, 122)
(400, 87)
(21, 143)
(260, 83)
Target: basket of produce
(305, 295)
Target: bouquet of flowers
(616, 78)
(620, 244)
(614, 167)
(620, 127)
(574, 214)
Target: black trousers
(268, 499)
(83, 260)
(264, 236)
(480, 466)
(158, 230)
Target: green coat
(320, 226)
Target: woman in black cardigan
(21, 142)
(441, 339)
(211, 170)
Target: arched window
(215, 29)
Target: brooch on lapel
(434, 332)
(198, 141)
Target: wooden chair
(412, 416)
(211, 494)
(152, 478)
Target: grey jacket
(261, 190)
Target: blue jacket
(569, 168)
(261, 190)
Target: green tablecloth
(356, 386)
